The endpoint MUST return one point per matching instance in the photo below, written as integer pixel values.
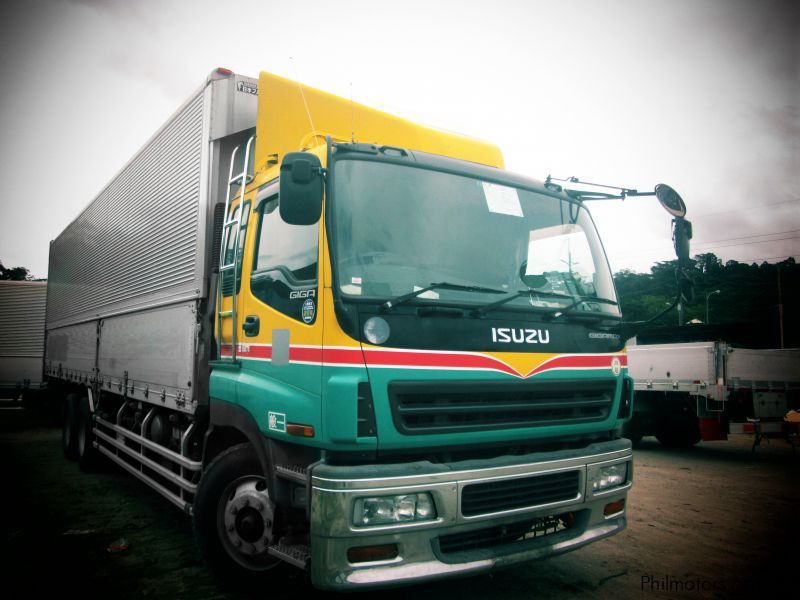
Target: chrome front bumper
(335, 489)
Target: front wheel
(234, 517)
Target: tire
(679, 430)
(233, 518)
(89, 458)
(632, 431)
(636, 439)
(69, 429)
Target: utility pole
(708, 320)
(780, 305)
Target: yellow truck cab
(348, 307)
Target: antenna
(303, 96)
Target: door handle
(251, 325)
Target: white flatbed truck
(687, 392)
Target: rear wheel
(679, 430)
(69, 427)
(633, 431)
(234, 517)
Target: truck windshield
(401, 229)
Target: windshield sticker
(502, 199)
(555, 231)
(355, 280)
(309, 310)
(349, 288)
(429, 294)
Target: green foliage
(748, 295)
(15, 273)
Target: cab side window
(227, 276)
(285, 264)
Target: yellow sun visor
(293, 117)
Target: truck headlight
(609, 476)
(383, 510)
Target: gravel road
(714, 521)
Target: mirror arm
(592, 194)
(632, 328)
(601, 196)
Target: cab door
(280, 345)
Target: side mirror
(681, 228)
(670, 200)
(301, 188)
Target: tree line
(748, 304)
(747, 308)
(14, 273)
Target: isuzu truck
(345, 341)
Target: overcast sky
(700, 94)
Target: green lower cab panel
(420, 408)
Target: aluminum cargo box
(673, 366)
(127, 277)
(764, 369)
(22, 305)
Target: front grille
(500, 535)
(428, 408)
(508, 494)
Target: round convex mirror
(670, 200)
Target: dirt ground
(714, 521)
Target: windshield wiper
(389, 304)
(479, 312)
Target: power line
(714, 244)
(794, 237)
(723, 212)
(744, 237)
(694, 251)
(782, 257)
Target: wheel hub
(250, 525)
(248, 517)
